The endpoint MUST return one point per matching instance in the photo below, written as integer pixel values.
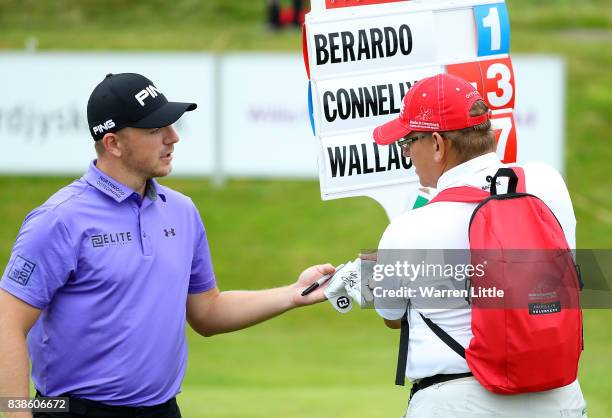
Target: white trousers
(465, 397)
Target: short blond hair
(99, 146)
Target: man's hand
(309, 276)
(26, 414)
(371, 256)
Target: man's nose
(170, 135)
(406, 151)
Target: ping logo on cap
(150, 91)
(104, 127)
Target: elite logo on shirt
(21, 270)
(115, 238)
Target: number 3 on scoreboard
(493, 78)
(493, 28)
(499, 83)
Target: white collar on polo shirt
(457, 175)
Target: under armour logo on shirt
(169, 232)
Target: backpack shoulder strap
(402, 354)
(443, 335)
(516, 180)
(464, 194)
(469, 194)
(520, 188)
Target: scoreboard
(362, 56)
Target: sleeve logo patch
(21, 270)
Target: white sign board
(43, 111)
(365, 44)
(265, 130)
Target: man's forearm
(14, 368)
(214, 312)
(238, 309)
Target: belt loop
(414, 389)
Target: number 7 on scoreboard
(505, 135)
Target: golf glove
(347, 283)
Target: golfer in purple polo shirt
(104, 275)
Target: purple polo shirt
(111, 274)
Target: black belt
(92, 408)
(432, 380)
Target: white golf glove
(337, 295)
(347, 282)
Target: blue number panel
(310, 108)
(493, 27)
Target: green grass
(314, 362)
(311, 361)
(369, 401)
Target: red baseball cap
(438, 103)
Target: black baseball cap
(130, 100)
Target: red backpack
(531, 340)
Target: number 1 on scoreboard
(492, 22)
(493, 27)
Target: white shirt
(444, 225)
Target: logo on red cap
(425, 114)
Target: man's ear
(112, 144)
(440, 147)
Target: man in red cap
(444, 128)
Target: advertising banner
(43, 111)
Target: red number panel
(494, 79)
(505, 136)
